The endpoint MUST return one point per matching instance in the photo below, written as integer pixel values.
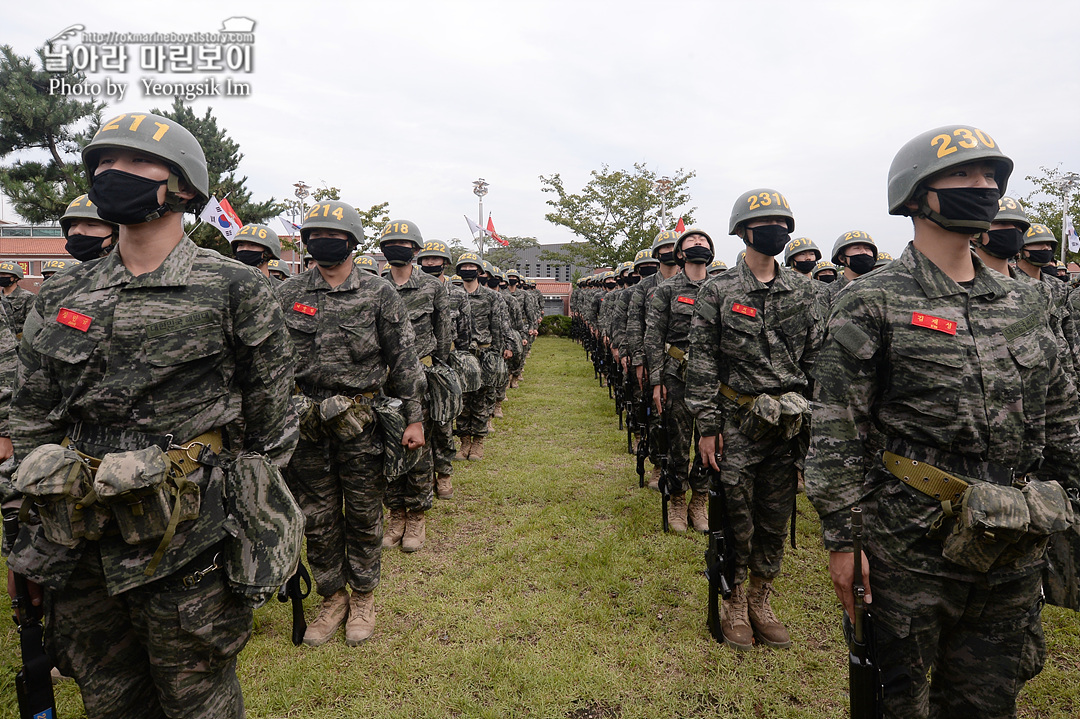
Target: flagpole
(1068, 182)
(480, 188)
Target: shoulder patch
(855, 340)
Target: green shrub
(558, 325)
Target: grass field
(547, 589)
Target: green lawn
(548, 590)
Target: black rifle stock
(720, 555)
(664, 482)
(642, 414)
(297, 590)
(629, 407)
(864, 683)
(33, 683)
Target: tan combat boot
(476, 449)
(463, 448)
(677, 513)
(698, 511)
(735, 623)
(490, 427)
(415, 531)
(497, 413)
(654, 479)
(395, 527)
(361, 624)
(332, 613)
(444, 489)
(515, 381)
(767, 628)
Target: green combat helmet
(797, 247)
(624, 268)
(1010, 210)
(667, 237)
(367, 264)
(643, 257)
(933, 152)
(279, 269)
(883, 258)
(717, 266)
(81, 209)
(8, 267)
(456, 279)
(259, 235)
(468, 258)
(823, 266)
(51, 267)
(1040, 233)
(333, 215)
(402, 230)
(164, 139)
(436, 248)
(759, 203)
(854, 237)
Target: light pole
(480, 188)
(663, 187)
(1069, 182)
(301, 193)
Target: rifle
(720, 555)
(664, 482)
(33, 683)
(628, 406)
(642, 414)
(864, 681)
(297, 590)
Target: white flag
(473, 227)
(215, 216)
(1070, 235)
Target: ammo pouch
(493, 368)
(58, 483)
(308, 413)
(765, 416)
(396, 459)
(468, 369)
(344, 417)
(266, 528)
(147, 496)
(444, 393)
(993, 518)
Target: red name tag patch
(744, 310)
(304, 309)
(685, 300)
(71, 318)
(934, 323)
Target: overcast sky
(409, 102)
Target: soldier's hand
(507, 354)
(5, 448)
(710, 448)
(640, 372)
(615, 353)
(413, 437)
(33, 587)
(842, 571)
(659, 396)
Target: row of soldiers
(250, 407)
(944, 406)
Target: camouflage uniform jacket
(668, 323)
(428, 306)
(20, 300)
(593, 306)
(490, 324)
(531, 307)
(617, 321)
(939, 369)
(756, 338)
(460, 315)
(833, 288)
(636, 310)
(197, 344)
(9, 366)
(353, 338)
(1059, 316)
(513, 309)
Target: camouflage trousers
(980, 643)
(152, 651)
(682, 444)
(340, 486)
(415, 490)
(760, 483)
(443, 449)
(475, 411)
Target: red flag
(680, 227)
(231, 213)
(491, 231)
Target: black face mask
(7, 281)
(964, 210)
(632, 280)
(435, 270)
(608, 286)
(85, 247)
(648, 270)
(861, 264)
(1004, 244)
(1039, 258)
(698, 255)
(126, 199)
(468, 275)
(770, 239)
(804, 266)
(398, 256)
(512, 282)
(666, 258)
(251, 258)
(493, 283)
(827, 279)
(328, 251)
